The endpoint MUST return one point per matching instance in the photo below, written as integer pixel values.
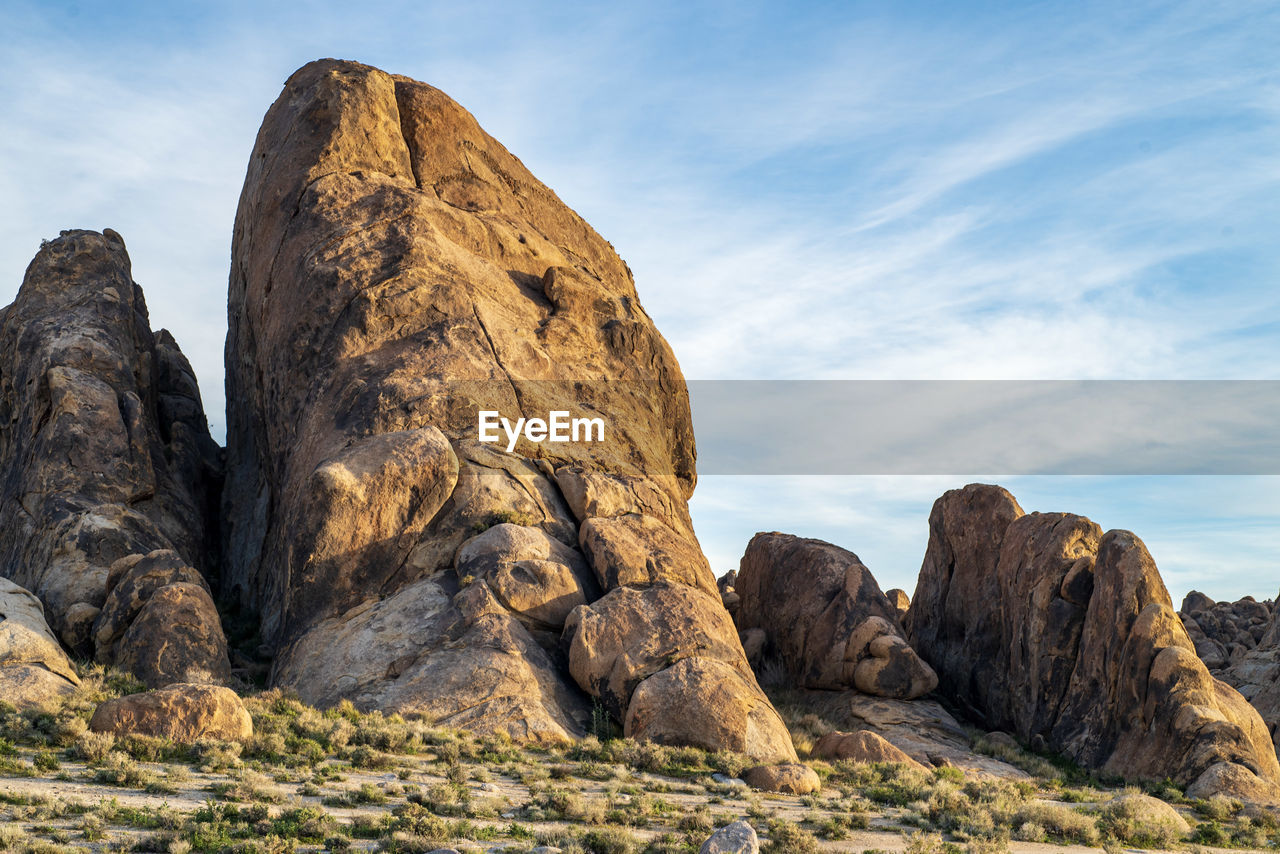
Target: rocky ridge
(1240, 644)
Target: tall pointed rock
(109, 471)
(395, 272)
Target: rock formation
(824, 615)
(34, 671)
(1224, 632)
(861, 746)
(921, 729)
(106, 457)
(1240, 644)
(396, 272)
(1256, 675)
(1044, 626)
(736, 838)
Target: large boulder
(183, 712)
(826, 618)
(861, 746)
(791, 778)
(1043, 626)
(105, 449)
(34, 671)
(396, 272)
(735, 838)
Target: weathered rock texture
(861, 746)
(824, 615)
(106, 455)
(736, 838)
(395, 272)
(1044, 626)
(1240, 644)
(183, 712)
(1256, 675)
(790, 778)
(922, 729)
(34, 671)
(1224, 632)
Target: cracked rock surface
(395, 271)
(106, 458)
(1043, 626)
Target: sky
(823, 190)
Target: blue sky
(804, 190)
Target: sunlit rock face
(396, 272)
(1044, 626)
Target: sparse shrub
(45, 761)
(1141, 822)
(1029, 831)
(609, 840)
(94, 746)
(1218, 808)
(787, 837)
(213, 755)
(1059, 823)
(119, 770)
(699, 821)
(925, 843)
(12, 837)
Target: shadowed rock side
(824, 616)
(395, 270)
(1046, 627)
(106, 458)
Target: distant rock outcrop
(1240, 644)
(106, 457)
(396, 271)
(1224, 632)
(1044, 626)
(824, 616)
(1256, 675)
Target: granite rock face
(825, 617)
(105, 452)
(861, 746)
(1042, 625)
(34, 671)
(396, 272)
